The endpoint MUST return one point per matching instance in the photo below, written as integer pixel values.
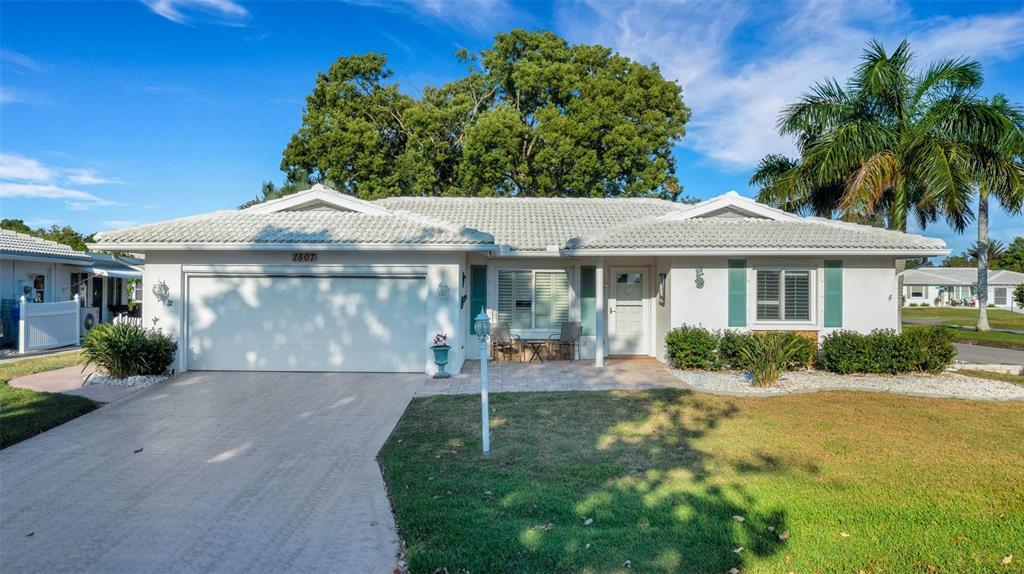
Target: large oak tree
(533, 116)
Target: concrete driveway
(211, 472)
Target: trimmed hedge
(927, 349)
(698, 348)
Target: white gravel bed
(950, 385)
(136, 381)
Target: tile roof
(323, 216)
(14, 243)
(297, 227)
(532, 224)
(958, 276)
(752, 233)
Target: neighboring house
(321, 281)
(957, 287)
(46, 271)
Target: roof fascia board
(143, 247)
(767, 251)
(46, 259)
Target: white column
(21, 325)
(600, 323)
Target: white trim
(143, 247)
(812, 294)
(726, 201)
(319, 194)
(334, 270)
(752, 251)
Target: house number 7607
(304, 257)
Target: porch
(618, 374)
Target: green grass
(987, 338)
(1004, 377)
(25, 413)
(997, 318)
(915, 483)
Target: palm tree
(889, 143)
(997, 165)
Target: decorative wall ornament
(699, 278)
(162, 293)
(443, 290)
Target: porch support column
(599, 323)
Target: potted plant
(441, 348)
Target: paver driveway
(237, 472)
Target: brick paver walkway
(513, 377)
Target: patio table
(535, 345)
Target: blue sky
(118, 113)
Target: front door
(627, 312)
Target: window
(533, 299)
(917, 291)
(79, 283)
(783, 295)
(1000, 295)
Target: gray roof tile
(958, 276)
(752, 233)
(14, 243)
(296, 227)
(532, 224)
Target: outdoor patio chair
(503, 341)
(569, 337)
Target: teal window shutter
(737, 293)
(588, 300)
(477, 291)
(833, 293)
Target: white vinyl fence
(48, 325)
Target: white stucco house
(321, 281)
(958, 286)
(45, 271)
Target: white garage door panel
(368, 324)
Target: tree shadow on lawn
(627, 462)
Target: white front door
(627, 312)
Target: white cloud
(10, 189)
(482, 16)
(740, 67)
(87, 177)
(228, 11)
(21, 168)
(18, 61)
(28, 178)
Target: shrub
(767, 355)
(729, 346)
(884, 351)
(125, 350)
(913, 304)
(1018, 296)
(692, 348)
(925, 305)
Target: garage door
(274, 323)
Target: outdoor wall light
(662, 277)
(699, 278)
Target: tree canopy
(533, 116)
(892, 142)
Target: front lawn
(986, 338)
(25, 413)
(997, 318)
(672, 481)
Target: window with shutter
(533, 299)
(768, 303)
(1000, 296)
(783, 295)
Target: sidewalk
(68, 381)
